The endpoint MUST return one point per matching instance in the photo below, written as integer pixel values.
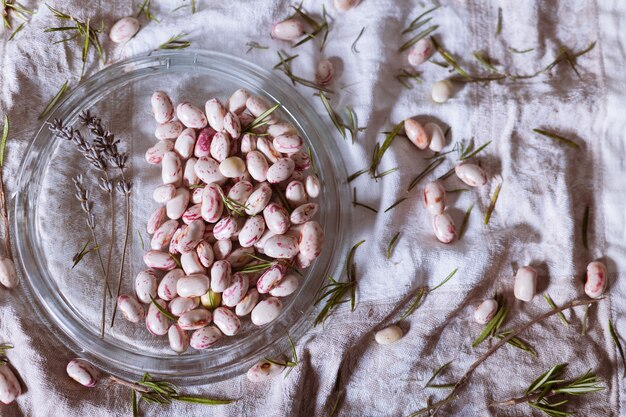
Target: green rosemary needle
(520, 51)
(18, 29)
(176, 42)
(163, 310)
(379, 150)
(332, 114)
(255, 45)
(465, 221)
(552, 304)
(290, 363)
(404, 77)
(429, 168)
(585, 227)
(499, 23)
(353, 47)
(449, 58)
(145, 9)
(400, 200)
(556, 137)
(392, 244)
(52, 104)
(261, 120)
(417, 38)
(3, 140)
(357, 204)
(618, 344)
(81, 254)
(492, 203)
(435, 374)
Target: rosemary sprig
(435, 374)
(332, 114)
(284, 65)
(465, 221)
(145, 9)
(418, 37)
(163, 310)
(485, 61)
(400, 200)
(261, 120)
(16, 31)
(353, 47)
(3, 201)
(355, 203)
(556, 137)
(335, 291)
(176, 42)
(449, 58)
(492, 203)
(317, 27)
(494, 324)
(421, 292)
(255, 45)
(551, 384)
(585, 227)
(392, 244)
(81, 254)
(618, 344)
(352, 125)
(429, 168)
(86, 34)
(64, 88)
(414, 23)
(499, 24)
(379, 150)
(12, 7)
(290, 363)
(404, 77)
(552, 304)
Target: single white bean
(131, 309)
(185, 143)
(388, 335)
(82, 372)
(215, 113)
(444, 227)
(178, 338)
(156, 220)
(597, 279)
(205, 337)
(192, 285)
(190, 115)
(264, 371)
(124, 29)
(245, 306)
(162, 107)
(302, 160)
(471, 174)
(212, 205)
(211, 300)
(233, 167)
(288, 30)
(195, 319)
(266, 311)
(236, 290)
(525, 283)
(167, 287)
(437, 137)
(176, 206)
(156, 322)
(485, 311)
(146, 286)
(312, 185)
(441, 91)
(226, 321)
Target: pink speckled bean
(192, 213)
(189, 174)
(205, 254)
(226, 321)
(191, 236)
(212, 205)
(78, 369)
(256, 106)
(303, 213)
(220, 275)
(163, 235)
(286, 286)
(190, 262)
(248, 143)
(222, 248)
(208, 170)
(281, 247)
(180, 305)
(156, 220)
(203, 144)
(159, 260)
(154, 154)
(173, 249)
(190, 115)
(237, 102)
(195, 319)
(240, 191)
(156, 322)
(302, 262)
(597, 279)
(258, 199)
(266, 311)
(311, 240)
(232, 125)
(264, 371)
(471, 174)
(276, 218)
(226, 228)
(236, 290)
(287, 143)
(270, 278)
(178, 338)
(267, 148)
(240, 257)
(295, 193)
(416, 133)
(130, 308)
(163, 193)
(245, 306)
(167, 287)
(421, 52)
(168, 130)
(444, 227)
(251, 231)
(192, 285)
(146, 286)
(435, 197)
(257, 165)
(280, 170)
(220, 146)
(312, 186)
(302, 160)
(162, 107)
(282, 128)
(185, 143)
(260, 244)
(171, 168)
(215, 113)
(196, 194)
(175, 207)
(205, 337)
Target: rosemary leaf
(392, 244)
(133, 400)
(457, 190)
(20, 27)
(385, 173)
(3, 140)
(261, 119)
(520, 51)
(465, 155)
(492, 204)
(554, 307)
(164, 311)
(417, 38)
(176, 42)
(357, 174)
(431, 167)
(54, 100)
(255, 45)
(81, 254)
(484, 61)
(413, 23)
(449, 58)
(200, 400)
(353, 47)
(465, 221)
(618, 344)
(446, 279)
(547, 379)
(334, 117)
(418, 297)
(436, 374)
(499, 24)
(141, 240)
(353, 127)
(405, 76)
(145, 9)
(395, 204)
(517, 343)
(493, 325)
(559, 138)
(585, 226)
(379, 151)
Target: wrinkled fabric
(537, 221)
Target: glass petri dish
(50, 226)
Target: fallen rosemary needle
(334, 117)
(499, 23)
(16, 31)
(55, 100)
(465, 221)
(146, 9)
(284, 65)
(392, 244)
(81, 254)
(551, 384)
(492, 203)
(379, 150)
(5, 137)
(552, 304)
(290, 363)
(12, 7)
(585, 227)
(421, 292)
(357, 204)
(392, 206)
(164, 310)
(353, 47)
(556, 137)
(618, 344)
(255, 45)
(405, 77)
(335, 291)
(261, 120)
(435, 374)
(176, 42)
(317, 27)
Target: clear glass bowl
(50, 227)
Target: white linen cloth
(537, 220)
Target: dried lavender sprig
(86, 204)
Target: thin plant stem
(126, 234)
(7, 230)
